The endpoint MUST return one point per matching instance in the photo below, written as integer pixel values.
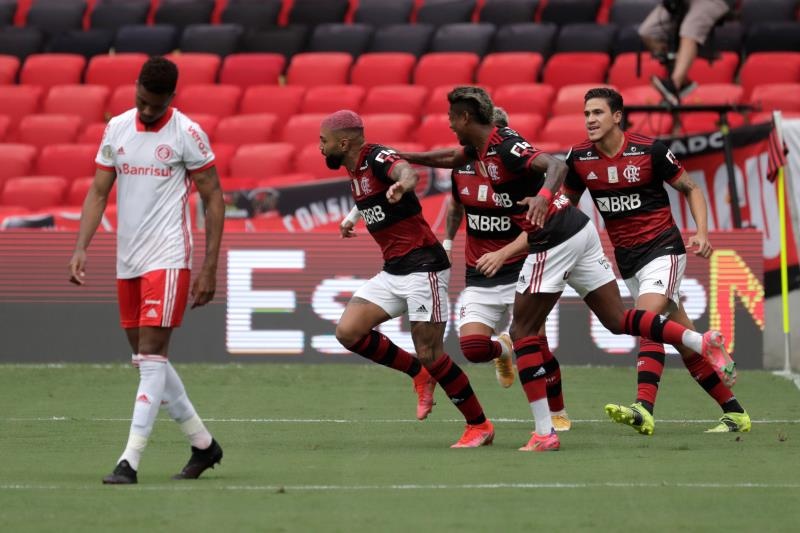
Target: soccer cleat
(476, 435)
(123, 474)
(732, 423)
(200, 461)
(561, 421)
(542, 443)
(503, 365)
(424, 385)
(714, 352)
(636, 416)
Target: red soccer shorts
(157, 298)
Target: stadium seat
(88, 101)
(7, 10)
(463, 37)
(440, 12)
(67, 160)
(34, 192)
(5, 123)
(586, 37)
(435, 130)
(706, 122)
(623, 71)
(9, 67)
(525, 98)
(576, 67)
(386, 68)
(769, 67)
(630, 12)
(379, 13)
(725, 38)
(528, 125)
(650, 124)
(313, 12)
(301, 130)
(322, 68)
(526, 37)
(88, 43)
(79, 188)
(113, 16)
(507, 68)
(262, 160)
(213, 99)
(500, 12)
(223, 154)
(52, 18)
(721, 70)
(252, 14)
(563, 12)
(335, 37)
(122, 99)
(395, 99)
(151, 40)
(280, 100)
(627, 40)
(445, 68)
(715, 93)
(641, 95)
(47, 70)
(564, 130)
(287, 41)
(219, 39)
(41, 130)
(777, 96)
(436, 103)
(243, 129)
(17, 101)
(569, 98)
(18, 160)
(92, 133)
(196, 68)
(207, 122)
(773, 37)
(309, 160)
(115, 70)
(245, 70)
(181, 13)
(330, 98)
(20, 42)
(758, 11)
(409, 38)
(389, 128)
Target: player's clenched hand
(489, 263)
(203, 289)
(346, 229)
(77, 267)
(395, 192)
(537, 209)
(701, 245)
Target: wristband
(547, 194)
(447, 244)
(352, 216)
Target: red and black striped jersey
(406, 240)
(506, 162)
(628, 190)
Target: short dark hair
(475, 101)
(612, 97)
(159, 75)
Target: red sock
(456, 385)
(704, 375)
(378, 348)
(530, 367)
(652, 326)
(649, 367)
(552, 376)
(479, 348)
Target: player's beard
(334, 161)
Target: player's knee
(475, 347)
(612, 323)
(347, 336)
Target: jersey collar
(489, 142)
(621, 150)
(157, 125)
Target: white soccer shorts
(486, 305)
(662, 275)
(422, 294)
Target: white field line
(371, 421)
(791, 376)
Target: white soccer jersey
(152, 164)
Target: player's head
(470, 107)
(339, 133)
(602, 110)
(155, 88)
(500, 117)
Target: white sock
(541, 414)
(693, 340)
(152, 377)
(182, 411)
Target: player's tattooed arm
(92, 213)
(455, 214)
(444, 158)
(697, 205)
(574, 197)
(405, 178)
(555, 171)
(207, 183)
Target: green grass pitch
(336, 448)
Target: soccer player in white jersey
(154, 153)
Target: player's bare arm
(444, 158)
(205, 285)
(455, 214)
(405, 178)
(347, 227)
(489, 263)
(697, 205)
(555, 172)
(92, 213)
(574, 197)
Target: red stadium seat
(9, 66)
(769, 67)
(5, 123)
(330, 98)
(243, 129)
(68, 160)
(385, 68)
(525, 98)
(623, 71)
(223, 154)
(211, 99)
(707, 122)
(319, 68)
(507, 68)
(569, 68)
(115, 70)
(41, 130)
(78, 189)
(721, 70)
(641, 95)
(92, 133)
(34, 192)
(17, 101)
(650, 124)
(11, 211)
(309, 160)
(122, 99)
(435, 129)
(47, 70)
(208, 123)
(195, 68)
(395, 99)
(714, 93)
(777, 96)
(262, 160)
(285, 180)
(437, 100)
(18, 160)
(569, 99)
(446, 68)
(301, 130)
(388, 128)
(238, 184)
(549, 147)
(565, 130)
(528, 125)
(245, 70)
(281, 101)
(88, 101)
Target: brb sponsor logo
(617, 204)
(373, 215)
(487, 223)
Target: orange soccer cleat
(476, 435)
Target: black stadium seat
(773, 37)
(51, 18)
(220, 39)
(252, 14)
(335, 37)
(629, 12)
(152, 40)
(570, 11)
(586, 37)
(313, 12)
(112, 16)
(757, 11)
(86, 43)
(20, 42)
(526, 37)
(287, 40)
(627, 40)
(411, 38)
(381, 13)
(438, 12)
(500, 12)
(463, 37)
(182, 13)
(7, 10)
